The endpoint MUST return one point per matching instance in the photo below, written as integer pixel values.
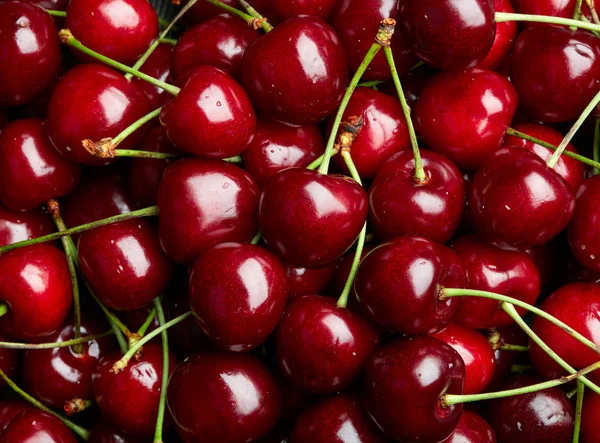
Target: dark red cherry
(212, 100)
(584, 239)
(504, 359)
(321, 347)
(241, 400)
(93, 102)
(34, 172)
(297, 72)
(29, 52)
(202, 203)
(339, 419)
(318, 8)
(489, 268)
(306, 281)
(157, 66)
(9, 409)
(129, 400)
(220, 42)
(9, 364)
(36, 285)
(506, 34)
(540, 417)
(202, 11)
(590, 415)
(19, 226)
(104, 433)
(517, 201)
(427, 25)
(433, 209)
(57, 5)
(404, 383)
(554, 8)
(555, 71)
(398, 285)
(343, 269)
(464, 115)
(118, 29)
(33, 425)
(383, 133)
(472, 428)
(310, 219)
(277, 146)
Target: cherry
(506, 34)
(583, 238)
(517, 201)
(590, 414)
(305, 281)
(19, 226)
(297, 72)
(555, 8)
(433, 209)
(489, 268)
(472, 428)
(321, 347)
(383, 133)
(118, 29)
(157, 66)
(404, 383)
(505, 359)
(135, 318)
(211, 100)
(35, 425)
(241, 400)
(103, 433)
(30, 52)
(219, 41)
(318, 8)
(541, 416)
(56, 5)
(202, 11)
(464, 115)
(277, 146)
(554, 71)
(129, 400)
(398, 283)
(428, 25)
(93, 102)
(9, 364)
(343, 269)
(202, 203)
(9, 409)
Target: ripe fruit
(583, 237)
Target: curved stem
(142, 331)
(254, 13)
(509, 17)
(55, 13)
(578, 410)
(256, 239)
(317, 162)
(165, 374)
(514, 348)
(52, 345)
(246, 17)
(596, 151)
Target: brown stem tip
(53, 208)
(256, 23)
(386, 31)
(74, 406)
(349, 130)
(64, 35)
(105, 148)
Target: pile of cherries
(350, 221)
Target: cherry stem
(67, 38)
(165, 375)
(246, 17)
(448, 292)
(596, 150)
(370, 84)
(256, 239)
(81, 432)
(420, 176)
(591, 4)
(237, 159)
(170, 41)
(255, 14)
(77, 405)
(55, 13)
(144, 154)
(578, 410)
(577, 11)
(520, 369)
(53, 345)
(142, 331)
(3, 309)
(317, 162)
(515, 348)
(509, 17)
(594, 163)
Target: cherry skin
(277, 146)
(321, 347)
(157, 66)
(9, 409)
(504, 359)
(93, 102)
(383, 133)
(297, 72)
(464, 115)
(19, 226)
(404, 383)
(517, 201)
(472, 429)
(554, 8)
(343, 270)
(241, 400)
(118, 29)
(103, 433)
(305, 281)
(590, 414)
(310, 219)
(317, 8)
(574, 60)
(433, 209)
(489, 268)
(202, 203)
(253, 290)
(30, 54)
(202, 11)
(9, 363)
(583, 238)
(398, 283)
(35, 425)
(211, 100)
(506, 34)
(539, 417)
(129, 400)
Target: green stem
(317, 162)
(508, 17)
(520, 368)
(577, 11)
(596, 152)
(165, 375)
(254, 13)
(370, 84)
(55, 13)
(515, 348)
(52, 345)
(142, 331)
(237, 159)
(144, 154)
(256, 239)
(246, 17)
(170, 41)
(3, 309)
(135, 126)
(578, 410)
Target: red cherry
(157, 66)
(202, 11)
(506, 34)
(305, 281)
(9, 409)
(343, 269)
(19, 226)
(590, 414)
(413, 83)
(118, 29)
(472, 429)
(103, 433)
(504, 359)
(583, 238)
(35, 425)
(554, 8)
(464, 115)
(318, 8)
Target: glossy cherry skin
(241, 281)
(489, 268)
(33, 425)
(590, 414)
(321, 347)
(427, 25)
(202, 203)
(93, 102)
(343, 269)
(297, 72)
(383, 133)
(504, 359)
(241, 400)
(220, 42)
(472, 428)
(9, 409)
(30, 55)
(295, 8)
(305, 281)
(584, 240)
(19, 226)
(506, 34)
(202, 11)
(404, 383)
(9, 363)
(157, 66)
(539, 417)
(118, 29)
(555, 8)
(34, 172)
(277, 146)
(464, 115)
(211, 100)
(517, 201)
(573, 58)
(433, 209)
(124, 264)
(129, 400)
(36, 285)
(398, 284)
(103, 433)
